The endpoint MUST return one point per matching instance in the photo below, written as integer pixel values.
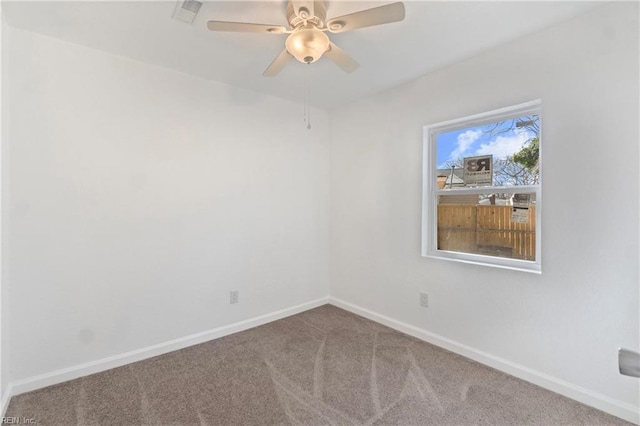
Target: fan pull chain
(308, 108)
(307, 98)
(304, 105)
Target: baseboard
(617, 408)
(70, 373)
(6, 397)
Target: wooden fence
(486, 230)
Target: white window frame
(430, 191)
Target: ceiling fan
(307, 41)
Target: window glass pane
(503, 153)
(490, 224)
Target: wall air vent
(186, 10)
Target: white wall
(566, 323)
(3, 323)
(139, 197)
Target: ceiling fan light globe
(307, 45)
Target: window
(482, 191)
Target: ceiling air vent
(186, 10)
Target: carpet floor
(324, 366)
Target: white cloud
(504, 146)
(464, 141)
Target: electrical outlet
(424, 300)
(233, 297)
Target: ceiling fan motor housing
(318, 18)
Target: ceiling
(433, 35)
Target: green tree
(529, 154)
(522, 167)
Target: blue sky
(474, 141)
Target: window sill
(490, 261)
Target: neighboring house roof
(457, 177)
(447, 172)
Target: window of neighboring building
(481, 189)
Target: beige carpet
(324, 366)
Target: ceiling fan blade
(386, 14)
(278, 63)
(305, 5)
(341, 58)
(245, 27)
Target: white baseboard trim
(617, 408)
(6, 397)
(70, 373)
